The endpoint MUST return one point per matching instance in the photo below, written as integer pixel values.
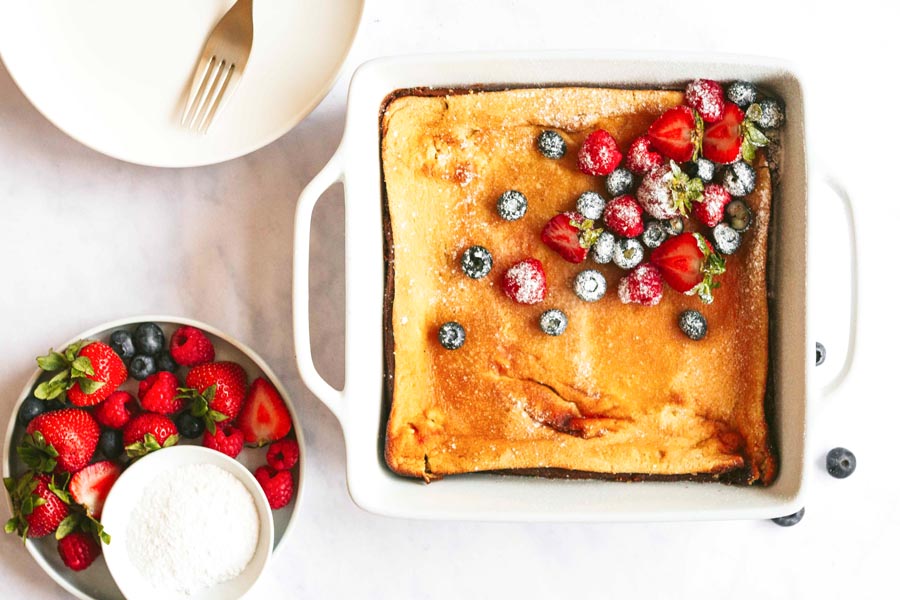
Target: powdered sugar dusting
(655, 195)
(526, 282)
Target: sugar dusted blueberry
(673, 226)
(693, 324)
(602, 250)
(768, 115)
(840, 462)
(590, 205)
(628, 253)
(511, 205)
(476, 262)
(739, 178)
(620, 181)
(590, 285)
(703, 168)
(451, 335)
(738, 215)
(551, 144)
(654, 234)
(725, 239)
(742, 93)
(554, 322)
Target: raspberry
(228, 440)
(283, 454)
(642, 286)
(159, 393)
(711, 211)
(640, 158)
(190, 347)
(706, 97)
(117, 410)
(525, 282)
(599, 154)
(277, 485)
(623, 216)
(78, 550)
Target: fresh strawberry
(676, 134)
(38, 504)
(277, 485)
(148, 432)
(623, 216)
(599, 154)
(60, 440)
(226, 439)
(712, 209)
(570, 235)
(78, 550)
(159, 393)
(641, 158)
(190, 347)
(216, 391)
(264, 417)
(525, 282)
(88, 372)
(706, 97)
(116, 410)
(283, 454)
(643, 286)
(688, 264)
(722, 140)
(90, 486)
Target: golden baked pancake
(623, 393)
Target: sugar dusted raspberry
(711, 211)
(641, 158)
(655, 194)
(642, 286)
(623, 216)
(706, 97)
(599, 154)
(525, 282)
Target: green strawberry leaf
(72, 350)
(60, 491)
(37, 454)
(754, 112)
(171, 440)
(68, 525)
(11, 525)
(216, 416)
(89, 386)
(685, 190)
(82, 366)
(697, 135)
(52, 361)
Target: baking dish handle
(841, 192)
(331, 173)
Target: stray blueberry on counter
(704, 168)
(602, 251)
(742, 93)
(141, 367)
(476, 262)
(820, 353)
(628, 253)
(188, 425)
(554, 322)
(148, 339)
(590, 205)
(165, 362)
(770, 114)
(840, 463)
(725, 239)
(590, 285)
(739, 178)
(790, 520)
(32, 407)
(551, 144)
(674, 226)
(738, 215)
(511, 205)
(654, 234)
(693, 324)
(121, 343)
(451, 335)
(620, 181)
(110, 444)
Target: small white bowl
(125, 495)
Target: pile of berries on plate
(83, 428)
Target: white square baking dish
(360, 406)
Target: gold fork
(220, 66)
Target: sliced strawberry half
(676, 134)
(264, 417)
(90, 486)
(570, 235)
(722, 140)
(688, 264)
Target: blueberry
(674, 226)
(738, 215)
(188, 425)
(141, 367)
(31, 407)
(149, 339)
(739, 178)
(476, 262)
(820, 353)
(654, 234)
(110, 444)
(725, 239)
(840, 463)
(620, 181)
(590, 205)
(551, 144)
(742, 93)
(511, 205)
(770, 114)
(693, 324)
(628, 253)
(790, 520)
(554, 322)
(704, 168)
(602, 251)
(165, 362)
(121, 343)
(590, 285)
(451, 335)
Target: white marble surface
(86, 239)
